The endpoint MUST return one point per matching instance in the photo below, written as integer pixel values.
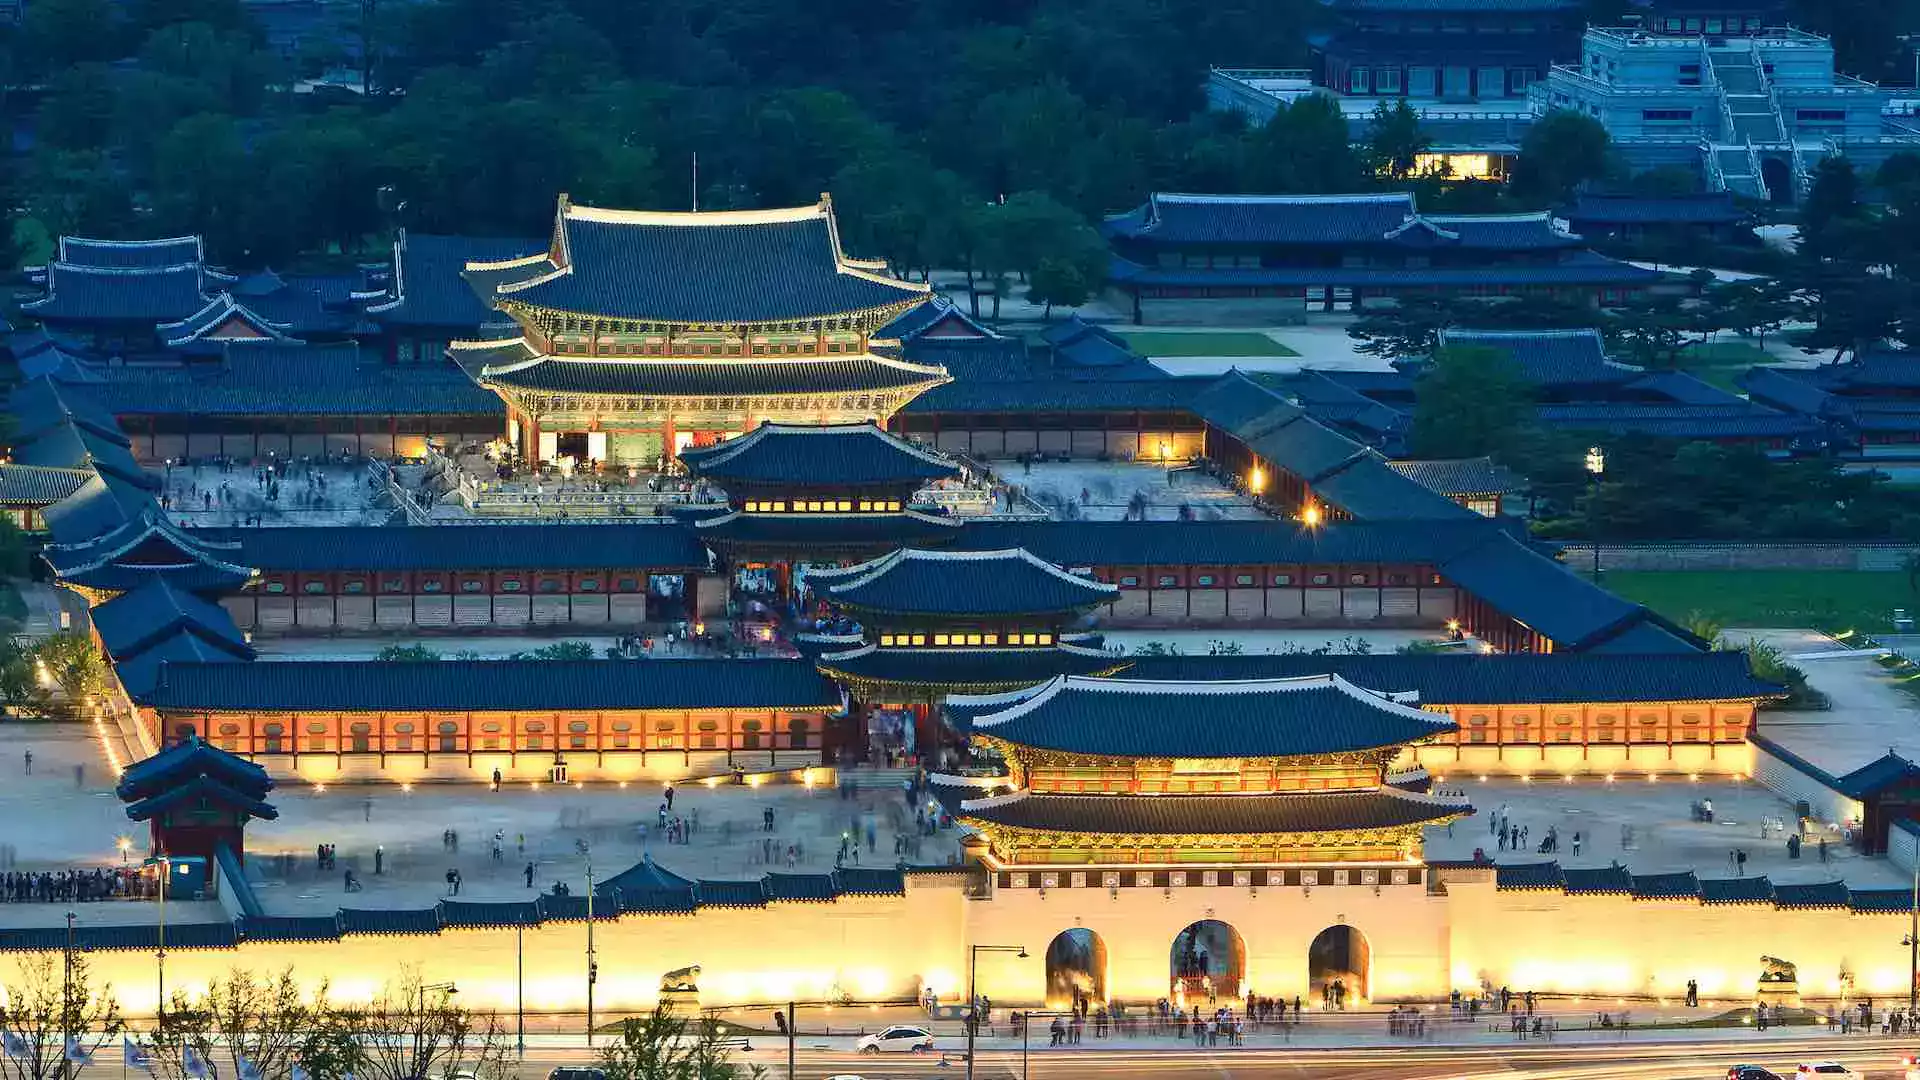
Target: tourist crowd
(75, 886)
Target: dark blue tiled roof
(698, 378)
(1461, 477)
(1491, 679)
(188, 760)
(661, 547)
(87, 294)
(1547, 357)
(429, 290)
(470, 913)
(38, 485)
(217, 313)
(1212, 814)
(374, 921)
(971, 667)
(1483, 232)
(49, 403)
(1826, 894)
(196, 794)
(1753, 890)
(813, 531)
(1890, 770)
(291, 928)
(1682, 885)
(139, 672)
(1302, 219)
(853, 454)
(732, 894)
(1880, 900)
(1742, 420)
(129, 254)
(687, 268)
(1599, 880)
(936, 320)
(575, 908)
(1571, 268)
(1225, 543)
(258, 378)
(645, 876)
(976, 582)
(1546, 875)
(145, 937)
(1259, 718)
(130, 622)
(1057, 395)
(873, 881)
(1709, 208)
(374, 686)
(801, 887)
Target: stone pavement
(1870, 714)
(1111, 485)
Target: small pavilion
(197, 799)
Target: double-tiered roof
(1247, 772)
(817, 455)
(944, 622)
(689, 305)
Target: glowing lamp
(1310, 515)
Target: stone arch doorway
(1076, 969)
(1339, 965)
(1208, 963)
(1777, 173)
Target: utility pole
(593, 969)
(792, 1034)
(520, 986)
(160, 955)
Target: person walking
(529, 875)
(1576, 845)
(29, 759)
(379, 859)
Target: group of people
(71, 886)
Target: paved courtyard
(50, 822)
(1109, 488)
(1649, 828)
(203, 496)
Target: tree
(1561, 151)
(21, 693)
(1833, 199)
(1652, 330)
(75, 664)
(1395, 140)
(1305, 147)
(1058, 281)
(663, 1046)
(406, 653)
(413, 1030)
(1470, 402)
(52, 999)
(268, 1023)
(562, 650)
(1410, 328)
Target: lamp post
(1596, 465)
(520, 985)
(420, 1019)
(973, 996)
(160, 953)
(1912, 941)
(593, 968)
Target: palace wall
(1548, 941)
(1556, 741)
(1423, 944)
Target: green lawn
(1831, 600)
(1720, 362)
(1206, 343)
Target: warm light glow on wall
(1310, 515)
(1257, 480)
(1459, 166)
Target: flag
(75, 1052)
(16, 1047)
(247, 1069)
(194, 1065)
(131, 1055)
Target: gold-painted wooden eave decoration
(862, 319)
(1378, 757)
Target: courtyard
(1117, 490)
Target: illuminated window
(919, 639)
(753, 507)
(845, 505)
(886, 639)
(1046, 639)
(776, 507)
(975, 639)
(866, 504)
(940, 639)
(893, 504)
(993, 639)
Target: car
(1751, 1072)
(898, 1038)
(576, 1072)
(1826, 1070)
(1911, 1065)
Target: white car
(1911, 1063)
(902, 1039)
(1826, 1070)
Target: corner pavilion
(639, 333)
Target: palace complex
(816, 455)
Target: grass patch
(1206, 343)
(1829, 600)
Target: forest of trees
(175, 116)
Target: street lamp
(445, 989)
(1596, 465)
(973, 996)
(1310, 515)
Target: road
(1874, 1059)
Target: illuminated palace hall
(640, 333)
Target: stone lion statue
(682, 980)
(1777, 970)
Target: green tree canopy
(1469, 402)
